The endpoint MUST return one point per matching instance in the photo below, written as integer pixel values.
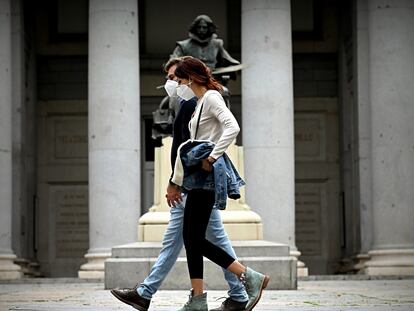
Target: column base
(361, 259)
(95, 267)
(29, 268)
(390, 262)
(302, 270)
(8, 269)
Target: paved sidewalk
(72, 295)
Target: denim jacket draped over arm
(224, 180)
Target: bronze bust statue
(204, 45)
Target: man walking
(140, 296)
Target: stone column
(18, 131)
(8, 270)
(114, 130)
(391, 40)
(363, 136)
(267, 111)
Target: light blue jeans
(172, 245)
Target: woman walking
(212, 129)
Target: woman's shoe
(195, 303)
(255, 283)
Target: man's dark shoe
(231, 305)
(131, 297)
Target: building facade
(325, 107)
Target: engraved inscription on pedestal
(71, 221)
(308, 218)
(68, 139)
(309, 137)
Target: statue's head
(203, 27)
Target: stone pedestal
(239, 221)
(8, 270)
(113, 130)
(131, 264)
(391, 93)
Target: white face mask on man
(185, 92)
(171, 87)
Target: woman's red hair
(193, 69)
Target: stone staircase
(131, 263)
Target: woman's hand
(173, 195)
(207, 164)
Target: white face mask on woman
(171, 87)
(185, 92)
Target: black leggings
(196, 217)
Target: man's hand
(173, 194)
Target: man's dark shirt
(181, 132)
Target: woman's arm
(228, 123)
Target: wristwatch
(211, 160)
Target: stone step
(131, 264)
(242, 249)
